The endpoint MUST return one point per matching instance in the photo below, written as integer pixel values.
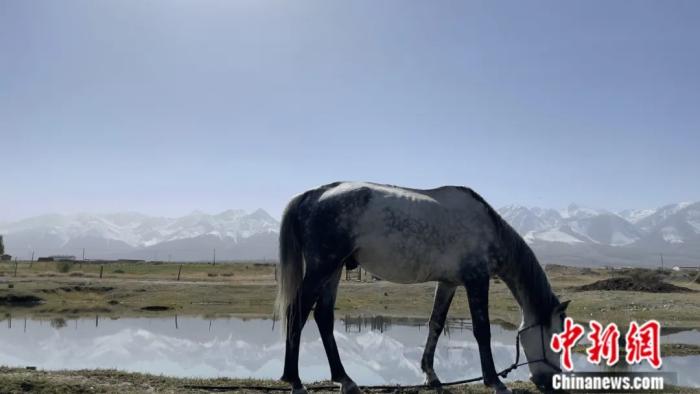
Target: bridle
(543, 357)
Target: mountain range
(231, 235)
(575, 235)
(585, 236)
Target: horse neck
(528, 283)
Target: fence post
(275, 272)
(16, 266)
(359, 274)
(101, 268)
(178, 272)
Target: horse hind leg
(443, 298)
(324, 316)
(303, 303)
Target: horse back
(409, 235)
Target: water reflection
(688, 335)
(378, 350)
(384, 323)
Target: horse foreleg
(478, 294)
(324, 316)
(441, 305)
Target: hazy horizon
(165, 107)
(278, 216)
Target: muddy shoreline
(22, 380)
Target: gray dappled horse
(449, 235)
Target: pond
(377, 350)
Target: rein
(504, 373)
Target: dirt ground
(13, 380)
(649, 281)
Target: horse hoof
(350, 388)
(502, 390)
(299, 390)
(431, 378)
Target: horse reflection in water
(449, 235)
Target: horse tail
(291, 264)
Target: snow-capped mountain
(575, 224)
(134, 235)
(586, 236)
(574, 235)
(527, 220)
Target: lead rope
(504, 373)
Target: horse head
(536, 338)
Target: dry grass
(249, 289)
(15, 380)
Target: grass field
(249, 289)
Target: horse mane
(519, 268)
(532, 278)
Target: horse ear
(561, 308)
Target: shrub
(118, 271)
(64, 266)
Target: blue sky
(165, 107)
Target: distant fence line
(146, 261)
(69, 267)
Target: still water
(375, 350)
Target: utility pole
(214, 260)
(32, 256)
